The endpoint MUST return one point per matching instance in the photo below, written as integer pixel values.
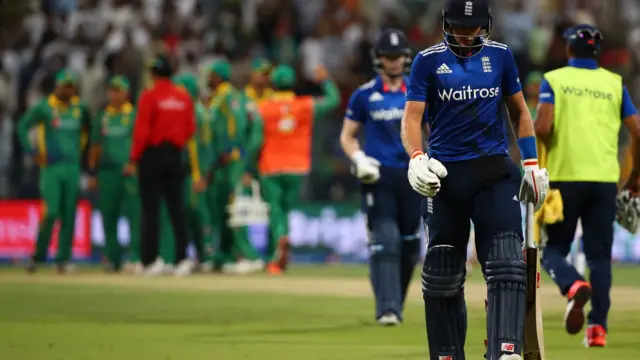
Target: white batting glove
(425, 174)
(535, 184)
(367, 169)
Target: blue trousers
(483, 190)
(595, 204)
(393, 222)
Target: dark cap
(392, 41)
(161, 66)
(584, 39)
(467, 13)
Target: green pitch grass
(316, 313)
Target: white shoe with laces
(389, 320)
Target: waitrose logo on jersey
(387, 114)
(468, 93)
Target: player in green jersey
(110, 147)
(238, 132)
(62, 124)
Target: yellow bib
(584, 142)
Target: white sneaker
(389, 320)
(184, 268)
(257, 265)
(244, 266)
(510, 357)
(237, 268)
(155, 269)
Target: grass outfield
(316, 313)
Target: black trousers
(161, 174)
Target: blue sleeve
(511, 80)
(418, 79)
(546, 93)
(628, 108)
(356, 109)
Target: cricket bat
(533, 348)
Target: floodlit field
(316, 313)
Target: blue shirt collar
(583, 63)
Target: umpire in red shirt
(165, 121)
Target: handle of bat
(530, 242)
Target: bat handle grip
(530, 242)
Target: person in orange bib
(286, 152)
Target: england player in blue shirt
(392, 207)
(459, 87)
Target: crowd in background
(101, 38)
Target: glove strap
(530, 164)
(416, 153)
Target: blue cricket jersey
(464, 99)
(380, 111)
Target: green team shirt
(237, 125)
(113, 131)
(62, 129)
(204, 137)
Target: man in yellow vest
(578, 120)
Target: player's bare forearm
(520, 116)
(633, 124)
(544, 122)
(348, 139)
(411, 126)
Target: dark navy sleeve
(356, 110)
(546, 93)
(418, 79)
(628, 108)
(510, 80)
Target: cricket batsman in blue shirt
(460, 87)
(392, 207)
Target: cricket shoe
(273, 269)
(510, 357)
(184, 268)
(238, 268)
(596, 336)
(389, 319)
(252, 266)
(578, 296)
(155, 269)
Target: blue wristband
(527, 147)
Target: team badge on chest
(286, 123)
(486, 64)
